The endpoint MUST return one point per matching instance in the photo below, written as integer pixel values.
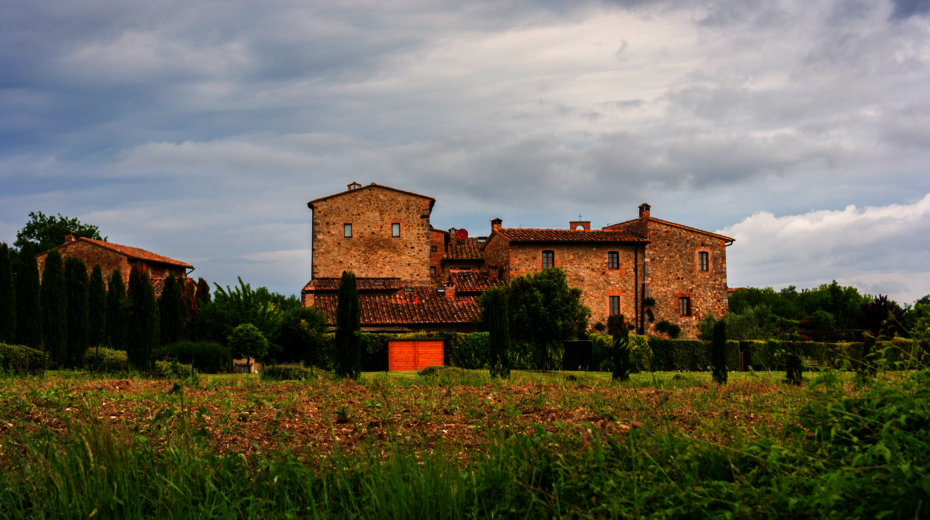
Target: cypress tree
(116, 322)
(495, 301)
(76, 290)
(28, 300)
(7, 297)
(143, 316)
(621, 347)
(203, 292)
(718, 353)
(348, 328)
(55, 309)
(96, 309)
(189, 297)
(171, 311)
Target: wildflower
(636, 424)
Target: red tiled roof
(135, 252)
(638, 225)
(473, 281)
(422, 306)
(567, 235)
(432, 201)
(363, 284)
(468, 249)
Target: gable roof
(568, 235)
(362, 284)
(468, 249)
(473, 281)
(421, 306)
(431, 200)
(638, 225)
(131, 252)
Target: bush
(20, 359)
(173, 370)
(718, 353)
(110, 361)
(284, 373)
(206, 356)
(664, 327)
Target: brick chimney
(450, 290)
(493, 272)
(585, 225)
(69, 237)
(644, 210)
(354, 186)
(496, 224)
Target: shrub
(108, 360)
(718, 353)
(671, 330)
(621, 347)
(793, 363)
(284, 373)
(21, 359)
(246, 341)
(173, 370)
(207, 357)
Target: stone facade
(111, 257)
(372, 251)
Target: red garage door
(415, 354)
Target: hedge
(284, 372)
(110, 361)
(173, 370)
(207, 357)
(688, 354)
(20, 359)
(894, 354)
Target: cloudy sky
(199, 130)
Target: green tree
(300, 336)
(234, 306)
(348, 328)
(495, 315)
(753, 323)
(617, 328)
(96, 308)
(246, 341)
(28, 301)
(54, 309)
(116, 321)
(171, 310)
(718, 353)
(142, 314)
(46, 232)
(545, 312)
(7, 297)
(76, 290)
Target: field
(460, 444)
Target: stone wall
(372, 252)
(109, 260)
(438, 242)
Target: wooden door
(417, 354)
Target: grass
(397, 445)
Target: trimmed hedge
(173, 370)
(207, 357)
(111, 361)
(688, 354)
(20, 359)
(895, 354)
(285, 373)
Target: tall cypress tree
(55, 309)
(718, 353)
(189, 297)
(96, 309)
(7, 297)
(116, 322)
(76, 289)
(621, 347)
(143, 316)
(494, 303)
(28, 300)
(203, 292)
(348, 328)
(171, 311)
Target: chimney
(493, 272)
(644, 210)
(496, 224)
(450, 290)
(580, 225)
(69, 237)
(354, 186)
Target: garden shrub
(718, 353)
(284, 372)
(20, 359)
(172, 370)
(206, 356)
(110, 361)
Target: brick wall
(437, 241)
(91, 255)
(372, 251)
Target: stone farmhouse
(112, 256)
(412, 276)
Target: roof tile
(568, 235)
(135, 252)
(468, 249)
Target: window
(613, 260)
(432, 249)
(614, 305)
(704, 261)
(432, 271)
(462, 298)
(347, 230)
(684, 306)
(395, 230)
(548, 259)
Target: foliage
(754, 323)
(545, 311)
(234, 306)
(7, 297)
(247, 341)
(348, 329)
(621, 347)
(190, 308)
(842, 303)
(203, 291)
(28, 301)
(106, 360)
(921, 327)
(880, 317)
(669, 329)
(172, 311)
(718, 353)
(76, 290)
(96, 308)
(688, 354)
(794, 364)
(207, 357)
(173, 370)
(494, 312)
(284, 373)
(46, 232)
(116, 312)
(142, 320)
(54, 309)
(300, 335)
(21, 359)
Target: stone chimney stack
(69, 237)
(496, 224)
(644, 210)
(450, 290)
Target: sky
(200, 130)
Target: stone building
(412, 276)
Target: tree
(142, 312)
(300, 336)
(171, 310)
(45, 233)
(234, 306)
(348, 328)
(28, 301)
(190, 303)
(116, 321)
(718, 353)
(880, 318)
(495, 315)
(96, 308)
(617, 328)
(203, 291)
(54, 309)
(7, 297)
(246, 341)
(545, 312)
(76, 290)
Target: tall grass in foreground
(863, 457)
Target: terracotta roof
(567, 235)
(638, 225)
(363, 284)
(468, 249)
(134, 252)
(422, 306)
(473, 281)
(432, 201)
